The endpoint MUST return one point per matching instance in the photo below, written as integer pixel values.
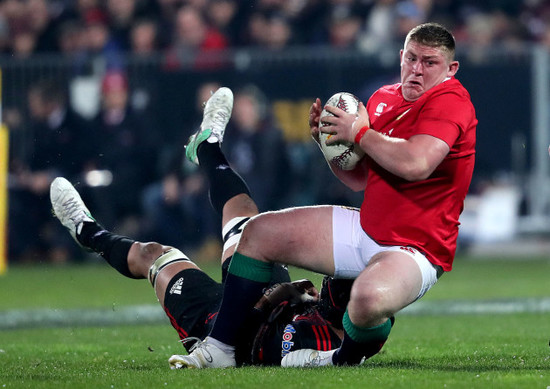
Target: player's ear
(453, 68)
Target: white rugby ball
(344, 155)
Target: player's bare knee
(367, 305)
(258, 229)
(248, 231)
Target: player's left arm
(412, 159)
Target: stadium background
(503, 50)
(71, 321)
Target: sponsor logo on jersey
(176, 288)
(287, 343)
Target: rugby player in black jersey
(288, 317)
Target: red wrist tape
(360, 134)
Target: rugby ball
(344, 155)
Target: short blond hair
(433, 35)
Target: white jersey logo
(380, 108)
(176, 288)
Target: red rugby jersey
(422, 214)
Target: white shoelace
(73, 211)
(219, 120)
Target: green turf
(430, 351)
(467, 351)
(98, 285)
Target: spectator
(125, 148)
(82, 7)
(99, 43)
(222, 16)
(121, 14)
(43, 25)
(257, 149)
(58, 133)
(344, 27)
(410, 13)
(4, 34)
(144, 37)
(480, 29)
(379, 27)
(32, 26)
(174, 207)
(195, 43)
(254, 30)
(267, 29)
(535, 18)
(70, 38)
(338, 24)
(278, 32)
(12, 10)
(164, 14)
(198, 4)
(24, 43)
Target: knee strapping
(232, 231)
(165, 259)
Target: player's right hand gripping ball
(344, 155)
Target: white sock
(326, 359)
(229, 350)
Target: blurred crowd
(178, 27)
(137, 182)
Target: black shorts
(192, 301)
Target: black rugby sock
(240, 295)
(112, 247)
(224, 182)
(360, 342)
(352, 352)
(244, 285)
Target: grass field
(435, 347)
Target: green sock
(364, 335)
(250, 268)
(360, 342)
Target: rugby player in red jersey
(419, 139)
(288, 316)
